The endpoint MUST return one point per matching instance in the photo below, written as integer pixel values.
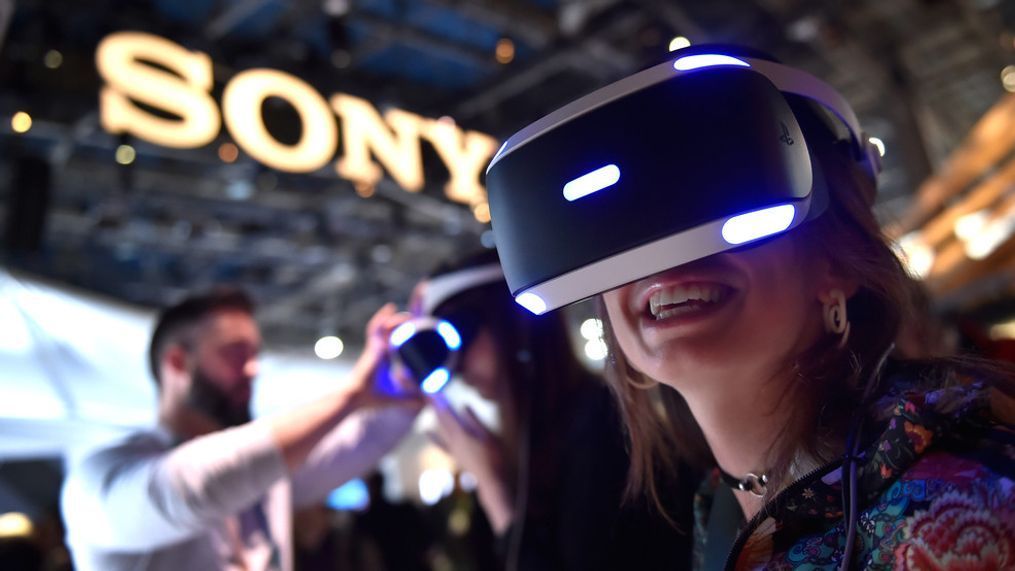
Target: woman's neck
(743, 429)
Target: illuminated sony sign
(134, 67)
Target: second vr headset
(683, 160)
(429, 345)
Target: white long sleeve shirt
(219, 502)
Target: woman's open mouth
(686, 300)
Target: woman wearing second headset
(551, 480)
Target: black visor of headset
(429, 345)
(696, 156)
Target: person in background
(399, 530)
(210, 488)
(464, 540)
(551, 479)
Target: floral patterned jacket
(936, 490)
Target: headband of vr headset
(442, 288)
(695, 156)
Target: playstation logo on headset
(784, 137)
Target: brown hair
(825, 379)
(174, 322)
(542, 369)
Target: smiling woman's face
(734, 318)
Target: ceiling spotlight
(679, 43)
(125, 154)
(21, 122)
(15, 524)
(591, 328)
(228, 152)
(916, 255)
(53, 59)
(969, 225)
(997, 232)
(335, 8)
(329, 347)
(1008, 78)
(505, 51)
(596, 349)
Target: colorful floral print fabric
(935, 489)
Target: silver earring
(836, 320)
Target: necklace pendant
(755, 484)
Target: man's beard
(209, 399)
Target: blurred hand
(374, 381)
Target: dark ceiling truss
(318, 256)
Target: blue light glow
(758, 224)
(402, 333)
(592, 182)
(531, 302)
(436, 380)
(688, 63)
(450, 335)
(352, 495)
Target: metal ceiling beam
(520, 20)
(568, 55)
(677, 18)
(232, 17)
(990, 140)
(882, 73)
(328, 282)
(6, 13)
(425, 41)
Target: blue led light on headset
(429, 346)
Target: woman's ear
(831, 279)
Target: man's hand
(373, 380)
(297, 431)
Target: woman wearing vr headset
(767, 343)
(550, 480)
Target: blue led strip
(699, 61)
(436, 380)
(531, 302)
(589, 183)
(758, 224)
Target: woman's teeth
(680, 299)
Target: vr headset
(686, 159)
(429, 345)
